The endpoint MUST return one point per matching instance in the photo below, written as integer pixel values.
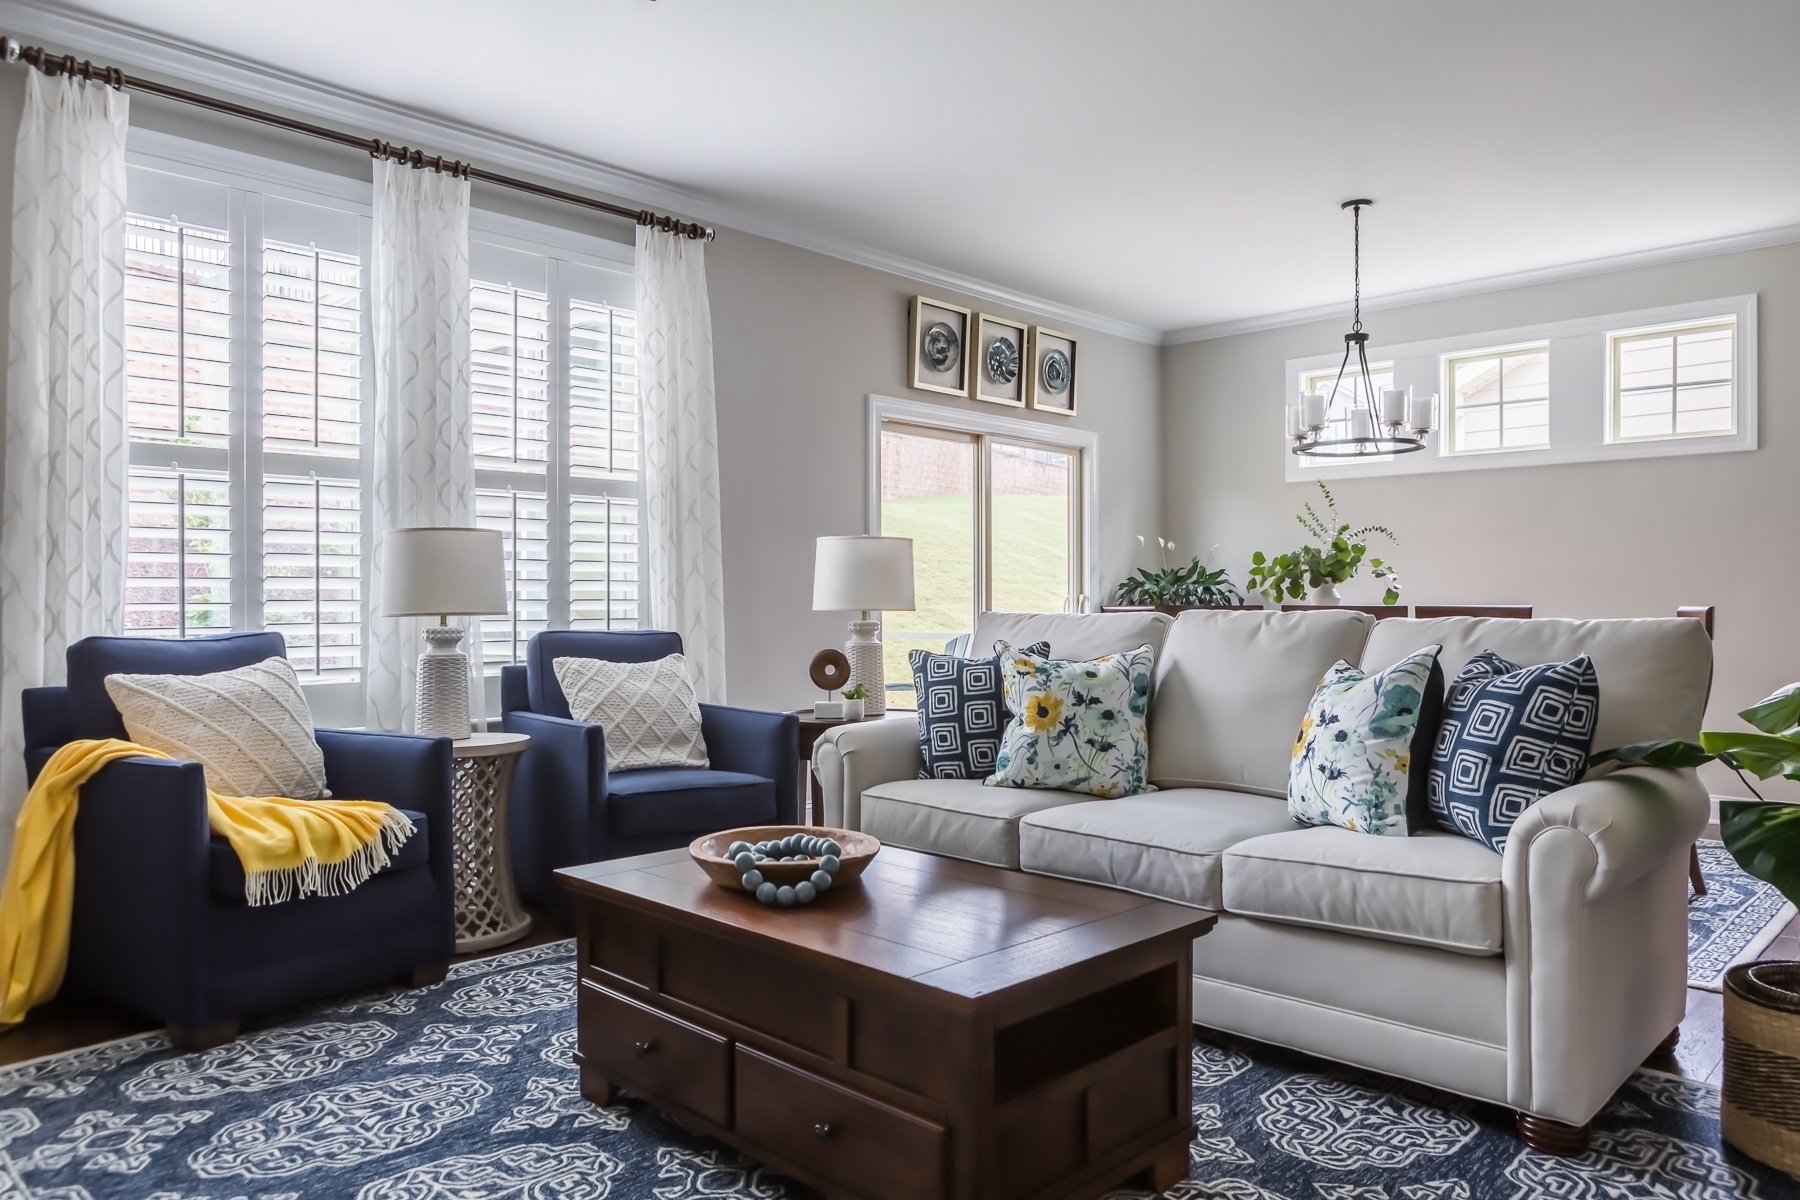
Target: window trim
(1447, 397)
(1579, 396)
(1051, 436)
(1616, 337)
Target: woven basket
(1759, 1110)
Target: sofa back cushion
(1232, 687)
(1654, 671)
(1071, 635)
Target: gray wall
(1609, 539)
(799, 340)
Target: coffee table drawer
(869, 1147)
(666, 1057)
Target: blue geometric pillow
(1510, 735)
(962, 712)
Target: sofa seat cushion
(1163, 844)
(1432, 889)
(225, 871)
(661, 800)
(960, 818)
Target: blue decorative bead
(804, 892)
(784, 896)
(743, 861)
(831, 847)
(820, 880)
(767, 893)
(752, 880)
(736, 849)
(830, 864)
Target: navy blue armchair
(568, 808)
(160, 924)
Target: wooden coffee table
(940, 1029)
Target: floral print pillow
(1353, 758)
(1077, 726)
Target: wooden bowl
(709, 851)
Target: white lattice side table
(488, 912)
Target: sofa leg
(1667, 1045)
(1553, 1137)
(1168, 1170)
(205, 1037)
(427, 975)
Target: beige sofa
(1538, 978)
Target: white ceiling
(1168, 163)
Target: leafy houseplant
(1190, 586)
(1762, 999)
(1333, 556)
(1763, 836)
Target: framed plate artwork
(1053, 372)
(1000, 364)
(940, 346)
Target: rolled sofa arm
(851, 758)
(1595, 885)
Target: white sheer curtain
(62, 532)
(424, 466)
(684, 570)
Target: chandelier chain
(1356, 221)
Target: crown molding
(189, 65)
(1781, 235)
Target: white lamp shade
(863, 573)
(442, 572)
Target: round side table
(488, 912)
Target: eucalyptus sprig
(1335, 556)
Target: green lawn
(1031, 571)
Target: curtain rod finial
(12, 49)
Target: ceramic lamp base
(441, 699)
(864, 652)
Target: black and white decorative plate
(1002, 360)
(1057, 372)
(940, 347)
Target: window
(553, 347)
(1672, 383)
(1679, 379)
(249, 363)
(994, 510)
(1350, 394)
(245, 359)
(1500, 400)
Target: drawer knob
(643, 1047)
(822, 1130)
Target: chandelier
(1398, 424)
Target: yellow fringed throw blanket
(290, 849)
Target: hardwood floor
(73, 1023)
(1701, 1052)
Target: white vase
(1326, 595)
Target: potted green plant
(1172, 589)
(1334, 556)
(1762, 1000)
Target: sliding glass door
(994, 523)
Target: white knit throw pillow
(648, 710)
(250, 728)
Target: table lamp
(442, 573)
(864, 574)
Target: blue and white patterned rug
(465, 1091)
(1734, 922)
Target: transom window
(1673, 382)
(1499, 400)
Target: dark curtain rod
(66, 64)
